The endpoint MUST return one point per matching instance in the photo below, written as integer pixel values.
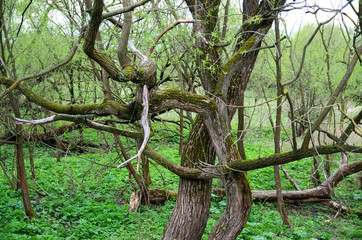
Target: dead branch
(145, 125)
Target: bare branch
(165, 31)
(136, 52)
(309, 41)
(126, 29)
(22, 17)
(81, 119)
(185, 172)
(124, 10)
(332, 99)
(145, 125)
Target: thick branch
(80, 119)
(126, 30)
(127, 74)
(124, 10)
(283, 158)
(184, 172)
(121, 111)
(172, 98)
(351, 127)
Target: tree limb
(282, 158)
(80, 119)
(165, 31)
(184, 172)
(124, 10)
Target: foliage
(97, 208)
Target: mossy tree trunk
(189, 218)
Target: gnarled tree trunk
(189, 218)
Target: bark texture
(189, 218)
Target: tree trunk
(238, 207)
(278, 122)
(189, 218)
(20, 161)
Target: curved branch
(127, 74)
(165, 31)
(282, 158)
(136, 52)
(121, 111)
(90, 38)
(163, 100)
(184, 172)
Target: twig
(295, 146)
(22, 17)
(309, 41)
(291, 180)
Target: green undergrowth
(86, 200)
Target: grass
(89, 201)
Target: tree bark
(238, 207)
(278, 122)
(189, 218)
(20, 161)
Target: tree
(221, 74)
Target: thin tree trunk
(31, 159)
(281, 207)
(316, 179)
(181, 144)
(20, 161)
(240, 133)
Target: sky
(297, 18)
